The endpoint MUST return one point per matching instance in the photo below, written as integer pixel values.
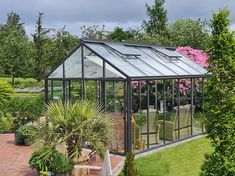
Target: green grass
(23, 82)
(181, 160)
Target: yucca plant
(75, 126)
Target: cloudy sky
(125, 13)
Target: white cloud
(124, 13)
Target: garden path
(14, 158)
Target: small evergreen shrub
(129, 168)
(5, 91)
(6, 123)
(27, 133)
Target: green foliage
(41, 49)
(157, 23)
(140, 119)
(27, 132)
(6, 123)
(62, 44)
(49, 159)
(94, 32)
(119, 35)
(14, 48)
(24, 109)
(23, 82)
(6, 92)
(78, 125)
(220, 109)
(187, 32)
(129, 168)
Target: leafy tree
(13, 22)
(187, 32)
(119, 35)
(157, 23)
(41, 43)
(220, 109)
(78, 125)
(94, 32)
(14, 47)
(63, 43)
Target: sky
(123, 13)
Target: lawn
(181, 160)
(23, 82)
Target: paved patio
(14, 158)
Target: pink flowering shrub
(198, 56)
(195, 55)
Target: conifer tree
(157, 22)
(220, 109)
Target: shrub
(5, 91)
(129, 168)
(6, 123)
(24, 109)
(49, 159)
(27, 133)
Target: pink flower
(195, 55)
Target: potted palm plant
(140, 121)
(75, 126)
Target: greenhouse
(155, 94)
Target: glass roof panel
(167, 52)
(169, 65)
(121, 49)
(110, 72)
(193, 65)
(143, 67)
(160, 68)
(116, 60)
(126, 60)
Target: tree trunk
(13, 81)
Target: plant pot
(19, 139)
(140, 145)
(62, 174)
(45, 174)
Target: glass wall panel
(57, 73)
(114, 105)
(198, 119)
(184, 123)
(139, 119)
(75, 91)
(57, 90)
(167, 110)
(153, 115)
(73, 65)
(91, 91)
